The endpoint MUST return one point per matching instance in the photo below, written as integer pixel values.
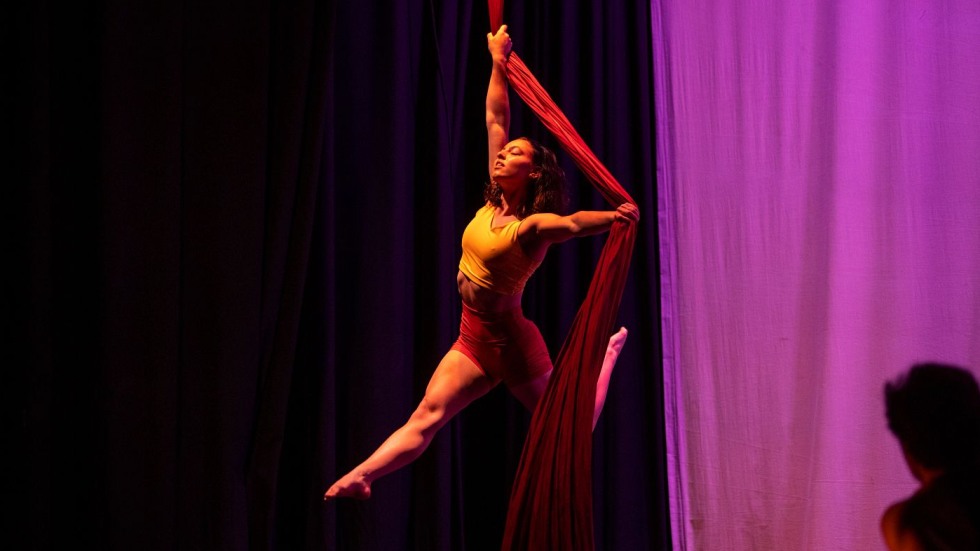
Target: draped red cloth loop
(551, 500)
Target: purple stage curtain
(233, 235)
(551, 500)
(819, 217)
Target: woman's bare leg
(529, 393)
(457, 381)
(616, 343)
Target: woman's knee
(430, 415)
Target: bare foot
(616, 343)
(351, 485)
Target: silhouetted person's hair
(934, 410)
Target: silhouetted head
(934, 411)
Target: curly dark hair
(546, 193)
(934, 410)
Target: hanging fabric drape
(551, 500)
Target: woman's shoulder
(891, 519)
(484, 211)
(532, 220)
(897, 538)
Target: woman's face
(514, 165)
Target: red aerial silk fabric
(551, 500)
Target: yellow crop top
(492, 257)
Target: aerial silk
(551, 500)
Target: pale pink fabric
(819, 180)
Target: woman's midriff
(485, 300)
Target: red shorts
(505, 345)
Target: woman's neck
(510, 201)
(923, 474)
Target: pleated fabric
(551, 500)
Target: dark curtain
(232, 235)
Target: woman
(502, 246)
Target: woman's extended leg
(616, 343)
(456, 382)
(529, 393)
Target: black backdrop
(232, 239)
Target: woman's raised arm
(498, 102)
